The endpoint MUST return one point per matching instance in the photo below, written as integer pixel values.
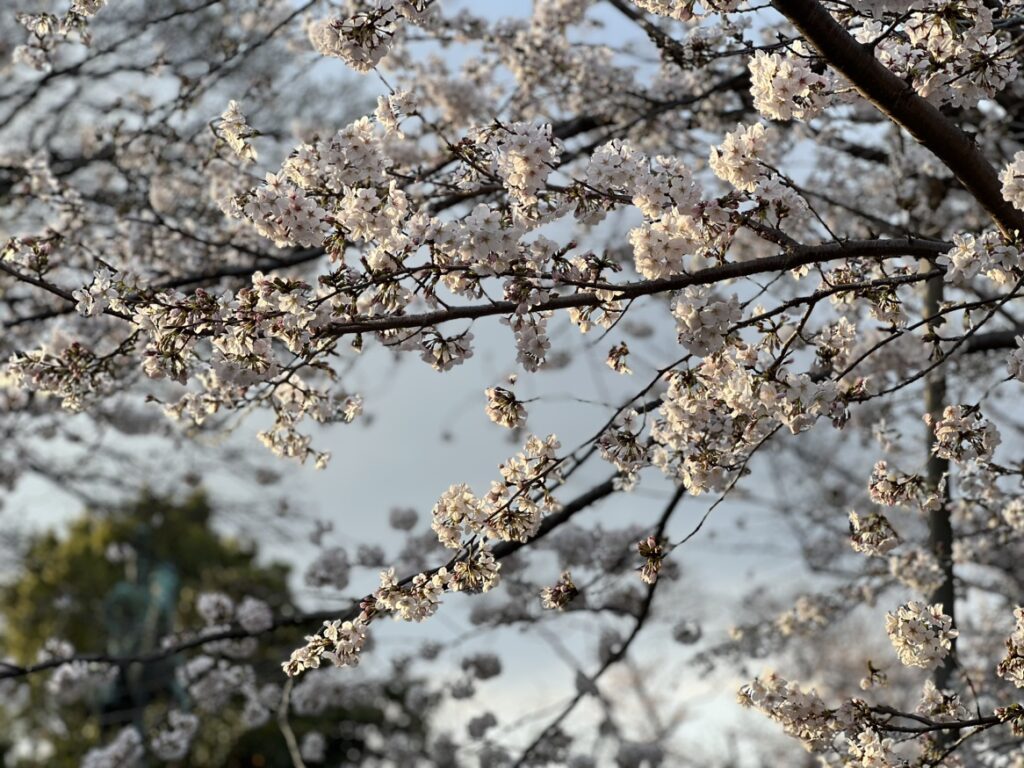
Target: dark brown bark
(899, 102)
(940, 527)
(793, 257)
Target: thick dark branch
(992, 341)
(898, 101)
(797, 256)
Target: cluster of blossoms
(989, 255)
(509, 511)
(532, 342)
(660, 248)
(218, 612)
(284, 213)
(679, 11)
(963, 435)
(618, 357)
(802, 714)
(561, 594)
(892, 488)
(345, 173)
(622, 445)
(237, 132)
(504, 408)
(456, 514)
(363, 38)
(87, 7)
(951, 52)
(173, 739)
(415, 600)
(872, 535)
(33, 252)
(835, 343)
(339, 642)
(214, 608)
(785, 87)
(704, 321)
(684, 10)
(443, 353)
(617, 169)
(330, 568)
(243, 356)
(942, 706)
(919, 569)
(1012, 715)
(1012, 665)
(667, 186)
(127, 749)
(884, 304)
(653, 552)
(212, 682)
(74, 680)
(485, 241)
(107, 290)
(1012, 177)
(921, 634)
(49, 31)
(869, 750)
(714, 415)
(477, 571)
(677, 227)
(740, 160)
(1015, 363)
(513, 511)
(217, 609)
(1013, 514)
(64, 368)
(392, 109)
(292, 402)
(737, 159)
(808, 614)
(521, 155)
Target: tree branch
(896, 99)
(797, 256)
(500, 551)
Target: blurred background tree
(114, 583)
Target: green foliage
(72, 589)
(66, 579)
